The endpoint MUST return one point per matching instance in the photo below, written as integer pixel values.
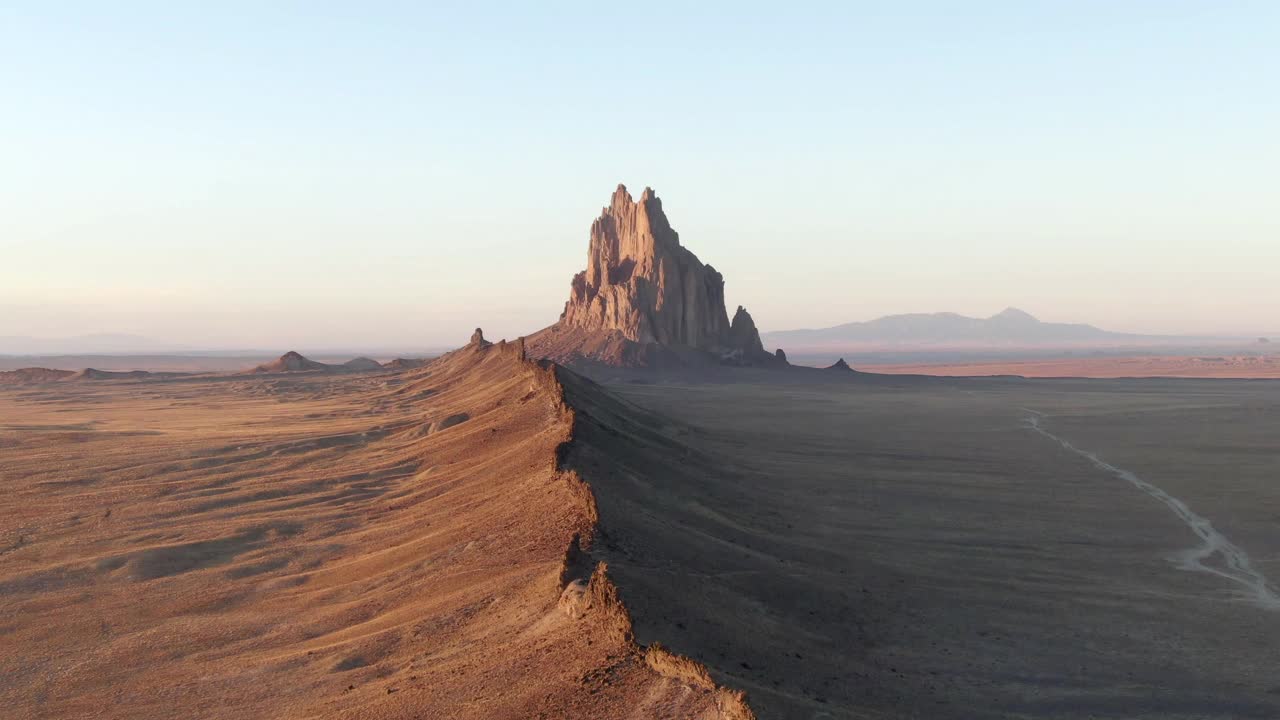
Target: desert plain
(1238, 366)
(488, 537)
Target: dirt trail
(1236, 565)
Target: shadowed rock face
(642, 286)
(743, 334)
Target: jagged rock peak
(477, 338)
(839, 365)
(743, 334)
(780, 355)
(641, 283)
(645, 300)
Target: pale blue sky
(322, 174)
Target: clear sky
(272, 174)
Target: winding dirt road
(1236, 565)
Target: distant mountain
(1008, 327)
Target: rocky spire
(647, 301)
(643, 284)
(743, 334)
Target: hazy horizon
(108, 343)
(243, 177)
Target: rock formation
(743, 335)
(33, 375)
(362, 363)
(404, 363)
(291, 362)
(644, 295)
(839, 365)
(95, 374)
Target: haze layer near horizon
(320, 174)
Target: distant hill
(294, 362)
(1008, 327)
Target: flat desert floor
(838, 545)
(940, 548)
(1184, 366)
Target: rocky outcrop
(645, 297)
(33, 375)
(362, 363)
(294, 362)
(404, 363)
(743, 335)
(291, 362)
(839, 365)
(95, 374)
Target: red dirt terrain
(403, 545)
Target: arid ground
(1138, 366)
(426, 543)
(388, 545)
(912, 547)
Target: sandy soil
(387, 546)
(1200, 366)
(486, 538)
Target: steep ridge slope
(342, 546)
(694, 546)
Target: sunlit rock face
(641, 283)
